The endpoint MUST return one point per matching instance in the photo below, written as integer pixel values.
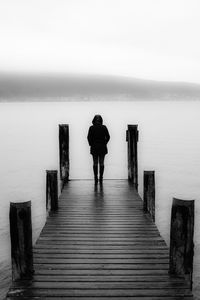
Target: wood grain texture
(100, 245)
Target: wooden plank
(103, 227)
(80, 238)
(99, 247)
(102, 285)
(101, 293)
(64, 235)
(116, 261)
(100, 272)
(107, 278)
(84, 256)
(112, 252)
(95, 233)
(102, 266)
(189, 297)
(102, 242)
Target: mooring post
(132, 139)
(181, 239)
(149, 193)
(21, 240)
(64, 153)
(52, 190)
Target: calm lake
(169, 143)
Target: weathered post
(52, 190)
(181, 239)
(64, 153)
(132, 139)
(21, 240)
(149, 193)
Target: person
(98, 137)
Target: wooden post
(181, 239)
(149, 193)
(52, 190)
(21, 240)
(132, 139)
(64, 153)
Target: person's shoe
(96, 180)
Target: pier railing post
(21, 240)
(181, 239)
(64, 153)
(52, 190)
(149, 193)
(132, 139)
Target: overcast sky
(152, 39)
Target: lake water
(169, 143)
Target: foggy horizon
(15, 86)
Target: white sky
(152, 39)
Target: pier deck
(100, 245)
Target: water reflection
(99, 193)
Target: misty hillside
(71, 88)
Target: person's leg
(101, 163)
(95, 167)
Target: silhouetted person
(98, 137)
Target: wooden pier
(100, 245)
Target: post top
(52, 171)
(130, 126)
(20, 204)
(181, 202)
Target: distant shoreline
(38, 88)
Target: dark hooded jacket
(98, 137)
